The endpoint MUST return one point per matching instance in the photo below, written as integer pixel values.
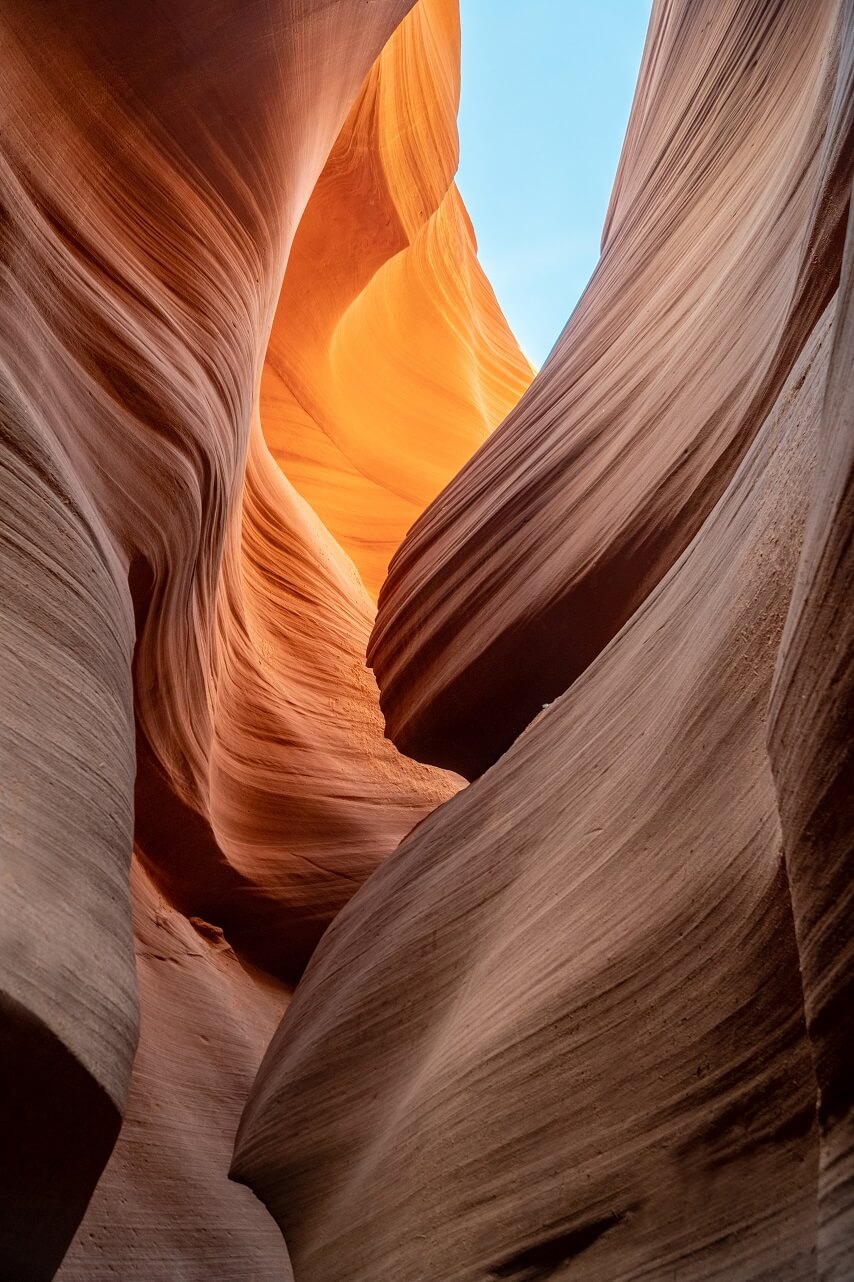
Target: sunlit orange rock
(390, 360)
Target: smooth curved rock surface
(812, 751)
(591, 1018)
(389, 361)
(298, 795)
(561, 1032)
(183, 639)
(163, 1209)
(542, 547)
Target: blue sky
(546, 90)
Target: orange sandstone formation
(298, 795)
(389, 361)
(547, 541)
(592, 1019)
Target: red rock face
(591, 1019)
(810, 738)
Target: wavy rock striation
(811, 738)
(705, 293)
(591, 1018)
(561, 1032)
(183, 637)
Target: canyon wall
(389, 361)
(705, 292)
(183, 637)
(561, 1032)
(591, 1017)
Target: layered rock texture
(706, 289)
(183, 636)
(563, 1028)
(592, 1018)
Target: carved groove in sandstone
(591, 1018)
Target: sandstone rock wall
(592, 1017)
(183, 637)
(708, 286)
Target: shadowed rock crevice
(59, 1128)
(549, 1257)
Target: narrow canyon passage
(525, 951)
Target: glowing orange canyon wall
(390, 360)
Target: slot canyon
(426, 782)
